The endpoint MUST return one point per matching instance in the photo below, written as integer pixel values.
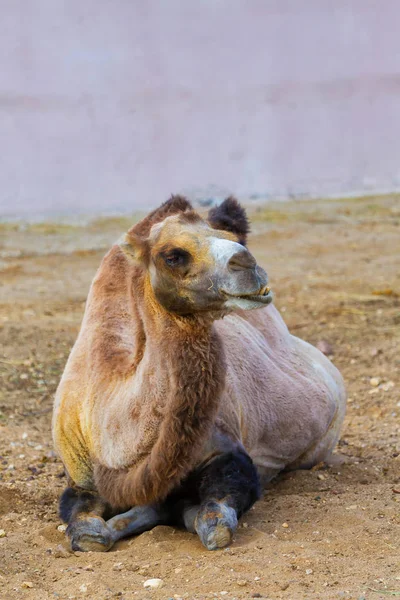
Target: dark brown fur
(172, 206)
(195, 355)
(230, 216)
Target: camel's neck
(173, 341)
(188, 355)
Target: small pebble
(375, 381)
(285, 525)
(242, 582)
(374, 390)
(309, 571)
(27, 584)
(153, 584)
(325, 347)
(387, 386)
(62, 528)
(83, 588)
(284, 586)
(61, 552)
(2, 533)
(118, 566)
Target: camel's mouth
(263, 296)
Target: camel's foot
(215, 525)
(90, 534)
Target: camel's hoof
(215, 524)
(90, 534)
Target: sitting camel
(178, 401)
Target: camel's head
(196, 265)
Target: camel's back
(281, 393)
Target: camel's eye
(176, 257)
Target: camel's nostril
(242, 260)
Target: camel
(178, 401)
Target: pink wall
(111, 105)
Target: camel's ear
(230, 216)
(172, 206)
(135, 243)
(133, 247)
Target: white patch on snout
(223, 250)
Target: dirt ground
(332, 532)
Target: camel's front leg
(87, 529)
(227, 488)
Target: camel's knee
(89, 534)
(215, 523)
(83, 511)
(225, 489)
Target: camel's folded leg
(83, 510)
(87, 530)
(227, 488)
(136, 521)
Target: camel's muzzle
(263, 296)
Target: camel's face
(195, 267)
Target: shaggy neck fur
(190, 354)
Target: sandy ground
(328, 533)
